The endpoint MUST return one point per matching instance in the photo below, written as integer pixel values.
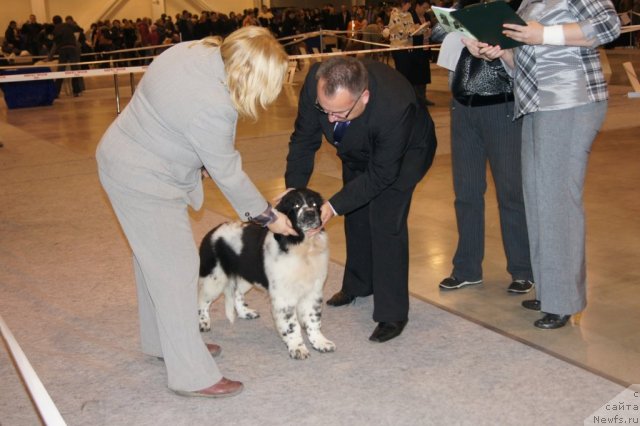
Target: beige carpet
(66, 292)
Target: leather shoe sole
(387, 331)
(340, 299)
(552, 321)
(213, 349)
(532, 304)
(223, 389)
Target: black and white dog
(235, 256)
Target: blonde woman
(182, 118)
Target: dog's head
(302, 207)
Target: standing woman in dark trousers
(561, 95)
(483, 131)
(411, 63)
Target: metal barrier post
(115, 85)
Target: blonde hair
(256, 65)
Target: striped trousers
(479, 135)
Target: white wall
(87, 11)
(12, 10)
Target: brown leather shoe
(222, 389)
(214, 350)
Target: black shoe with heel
(552, 321)
(340, 299)
(532, 304)
(387, 331)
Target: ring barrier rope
(114, 70)
(44, 404)
(111, 52)
(629, 28)
(131, 70)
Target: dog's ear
(281, 204)
(287, 202)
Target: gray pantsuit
(555, 151)
(159, 233)
(479, 134)
(180, 118)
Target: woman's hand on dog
(282, 225)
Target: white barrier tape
(133, 49)
(71, 74)
(329, 33)
(373, 43)
(629, 28)
(303, 35)
(358, 52)
(46, 408)
(325, 33)
(139, 69)
(68, 64)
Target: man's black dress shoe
(340, 298)
(387, 331)
(552, 321)
(532, 304)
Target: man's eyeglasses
(338, 115)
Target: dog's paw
(204, 323)
(248, 314)
(324, 345)
(299, 353)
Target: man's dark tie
(338, 131)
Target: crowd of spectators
(102, 37)
(106, 36)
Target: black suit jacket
(391, 144)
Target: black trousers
(69, 55)
(378, 251)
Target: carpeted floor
(66, 292)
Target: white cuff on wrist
(553, 35)
(332, 209)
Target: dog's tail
(229, 300)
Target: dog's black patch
(234, 264)
(208, 258)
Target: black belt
(479, 100)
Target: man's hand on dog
(326, 213)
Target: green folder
(484, 21)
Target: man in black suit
(66, 46)
(370, 114)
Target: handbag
(478, 82)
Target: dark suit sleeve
(389, 138)
(306, 138)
